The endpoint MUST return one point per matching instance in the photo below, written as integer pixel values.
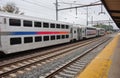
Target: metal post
(87, 16)
(56, 9)
(109, 25)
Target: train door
(98, 33)
(1, 24)
(71, 32)
(86, 33)
(1, 21)
(83, 32)
(74, 34)
(79, 33)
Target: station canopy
(113, 8)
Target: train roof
(99, 28)
(5, 14)
(87, 27)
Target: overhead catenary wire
(69, 3)
(36, 4)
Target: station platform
(106, 64)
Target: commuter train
(20, 33)
(100, 31)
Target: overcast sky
(46, 9)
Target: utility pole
(56, 10)
(87, 16)
(109, 25)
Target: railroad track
(71, 68)
(19, 58)
(21, 66)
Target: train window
(28, 39)
(52, 37)
(46, 25)
(67, 27)
(63, 26)
(52, 25)
(58, 36)
(37, 24)
(57, 25)
(82, 31)
(15, 22)
(38, 38)
(14, 41)
(27, 23)
(46, 38)
(74, 31)
(63, 36)
(67, 36)
(91, 28)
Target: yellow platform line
(100, 66)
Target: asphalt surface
(114, 71)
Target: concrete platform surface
(107, 63)
(114, 71)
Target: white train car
(100, 31)
(20, 33)
(89, 32)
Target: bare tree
(11, 8)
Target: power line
(37, 4)
(70, 3)
(45, 1)
(96, 2)
(30, 10)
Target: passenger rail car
(20, 33)
(100, 31)
(89, 32)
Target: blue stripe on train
(23, 33)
